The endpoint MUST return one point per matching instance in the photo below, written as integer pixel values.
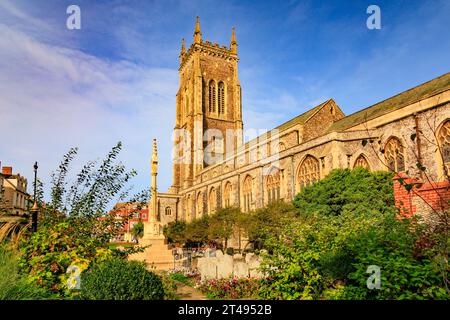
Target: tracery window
(361, 161)
(227, 194)
(212, 201)
(168, 211)
(212, 96)
(199, 204)
(221, 96)
(309, 171)
(247, 192)
(273, 186)
(444, 143)
(394, 154)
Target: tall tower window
(212, 96)
(221, 98)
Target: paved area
(185, 292)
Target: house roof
(420, 92)
(300, 119)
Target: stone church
(215, 168)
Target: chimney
(7, 171)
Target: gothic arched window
(212, 96)
(361, 161)
(273, 186)
(212, 201)
(168, 211)
(199, 204)
(247, 192)
(394, 155)
(277, 148)
(309, 171)
(227, 194)
(221, 97)
(444, 144)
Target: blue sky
(116, 78)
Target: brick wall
(424, 198)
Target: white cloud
(53, 98)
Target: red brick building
(423, 198)
(123, 210)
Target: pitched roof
(300, 119)
(303, 118)
(422, 91)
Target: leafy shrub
(215, 229)
(268, 222)
(341, 229)
(83, 235)
(52, 249)
(197, 231)
(404, 273)
(175, 232)
(15, 286)
(180, 277)
(138, 229)
(119, 279)
(221, 225)
(231, 288)
(170, 286)
(348, 190)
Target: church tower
(208, 107)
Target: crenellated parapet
(208, 48)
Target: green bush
(175, 232)
(180, 277)
(344, 224)
(48, 253)
(197, 231)
(348, 190)
(119, 279)
(138, 230)
(268, 222)
(169, 285)
(74, 227)
(13, 285)
(405, 273)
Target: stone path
(185, 292)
